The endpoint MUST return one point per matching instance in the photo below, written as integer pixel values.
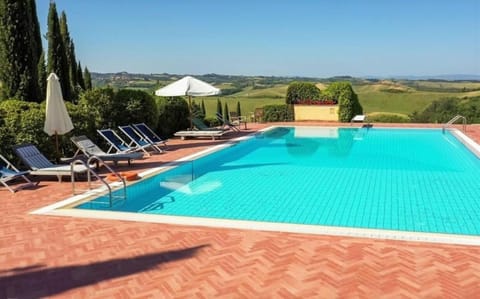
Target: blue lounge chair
(40, 165)
(8, 173)
(138, 140)
(117, 144)
(226, 123)
(88, 148)
(149, 134)
(201, 126)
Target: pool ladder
(113, 198)
(453, 120)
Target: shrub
(135, 106)
(273, 113)
(443, 110)
(348, 104)
(212, 121)
(22, 122)
(111, 109)
(298, 91)
(173, 115)
(388, 118)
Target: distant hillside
(399, 96)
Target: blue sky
(275, 37)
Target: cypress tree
(57, 57)
(73, 65)
(87, 79)
(36, 38)
(69, 52)
(226, 115)
(80, 80)
(219, 107)
(204, 112)
(239, 110)
(42, 77)
(18, 72)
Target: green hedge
(22, 122)
(347, 99)
(387, 118)
(274, 113)
(298, 91)
(173, 115)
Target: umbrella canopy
(57, 120)
(188, 86)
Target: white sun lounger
(358, 118)
(211, 134)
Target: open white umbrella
(188, 86)
(57, 120)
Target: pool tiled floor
(63, 257)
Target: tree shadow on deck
(37, 281)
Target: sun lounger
(226, 123)
(8, 173)
(149, 134)
(88, 148)
(201, 126)
(138, 140)
(40, 165)
(358, 118)
(195, 133)
(117, 144)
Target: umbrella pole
(57, 154)
(190, 111)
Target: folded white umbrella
(57, 120)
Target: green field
(398, 96)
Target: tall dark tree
(18, 51)
(42, 77)
(204, 112)
(73, 65)
(80, 80)
(87, 78)
(69, 52)
(239, 110)
(226, 113)
(36, 36)
(219, 107)
(57, 57)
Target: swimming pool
(414, 180)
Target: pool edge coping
(55, 209)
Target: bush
(212, 122)
(443, 110)
(22, 122)
(348, 104)
(112, 109)
(298, 91)
(135, 106)
(388, 118)
(173, 115)
(273, 113)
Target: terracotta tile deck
(64, 257)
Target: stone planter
(316, 112)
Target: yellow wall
(313, 112)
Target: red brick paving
(63, 257)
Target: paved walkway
(63, 257)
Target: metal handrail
(90, 172)
(453, 120)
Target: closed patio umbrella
(188, 86)
(57, 120)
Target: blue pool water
(398, 179)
